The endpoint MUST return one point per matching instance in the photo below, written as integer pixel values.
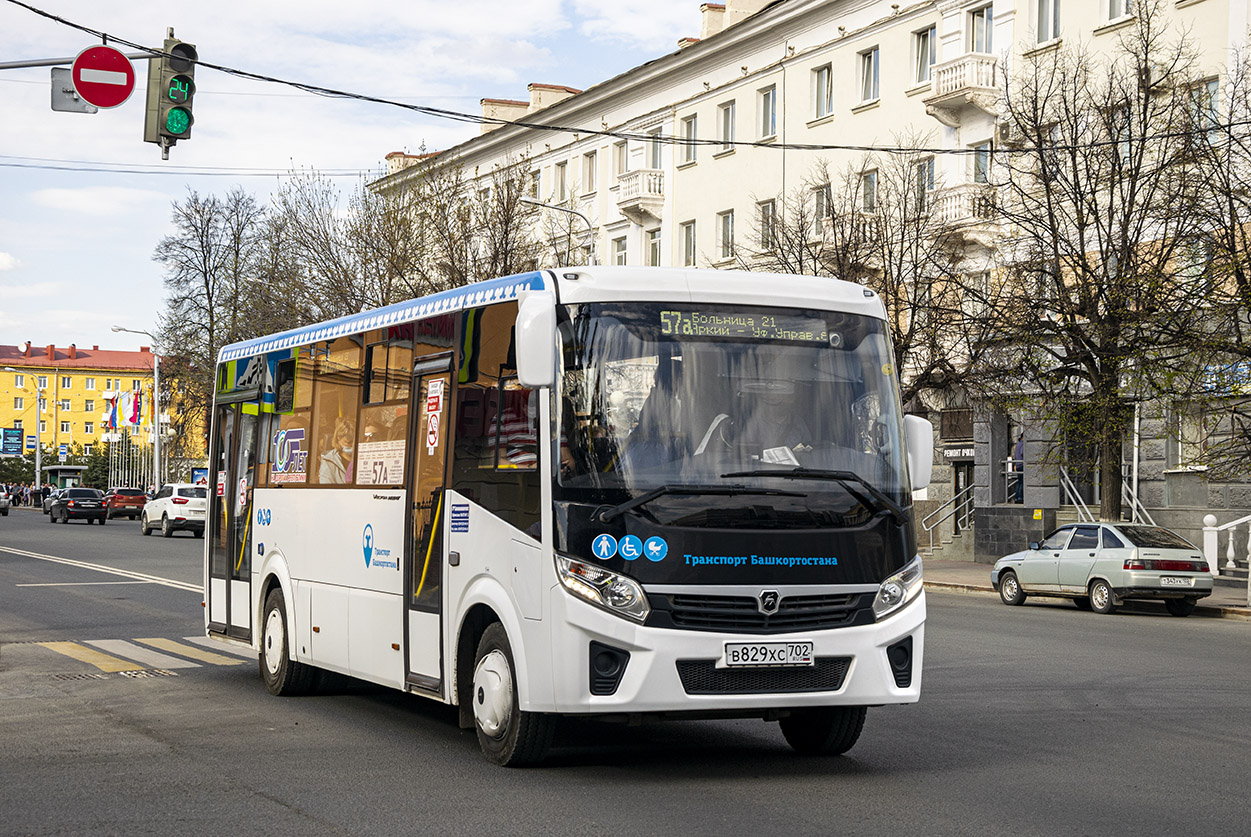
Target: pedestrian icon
(656, 549)
(604, 547)
(631, 547)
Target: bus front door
(424, 559)
(230, 510)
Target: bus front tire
(823, 731)
(508, 736)
(283, 676)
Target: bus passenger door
(230, 532)
(424, 559)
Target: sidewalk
(969, 577)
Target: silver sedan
(1101, 565)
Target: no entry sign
(103, 76)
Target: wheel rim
(1010, 588)
(275, 640)
(1099, 596)
(493, 694)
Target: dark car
(78, 504)
(52, 495)
(124, 501)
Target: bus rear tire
(283, 676)
(508, 736)
(823, 731)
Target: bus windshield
(659, 394)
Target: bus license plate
(1176, 581)
(750, 654)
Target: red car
(124, 501)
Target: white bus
(602, 491)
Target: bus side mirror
(536, 340)
(919, 437)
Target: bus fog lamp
(898, 590)
(615, 593)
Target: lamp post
(156, 404)
(38, 435)
(590, 227)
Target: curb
(1242, 614)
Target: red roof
(46, 357)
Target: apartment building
(683, 161)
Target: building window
(766, 214)
(532, 186)
(653, 248)
(1192, 430)
(43, 382)
(981, 34)
(43, 427)
(620, 159)
(821, 200)
(868, 191)
(822, 91)
(64, 405)
(981, 162)
(89, 427)
(17, 424)
(869, 75)
(43, 405)
(619, 250)
(688, 139)
(654, 160)
(89, 383)
(725, 125)
(1120, 8)
(66, 381)
(925, 46)
(1203, 100)
(589, 181)
(135, 383)
(767, 100)
(19, 403)
(87, 449)
(561, 184)
(19, 380)
(89, 406)
(688, 244)
(925, 182)
(725, 234)
(65, 427)
(1048, 20)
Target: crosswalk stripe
(100, 660)
(189, 651)
(147, 656)
(246, 653)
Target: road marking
(189, 651)
(102, 661)
(246, 653)
(153, 579)
(147, 656)
(79, 583)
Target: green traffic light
(178, 121)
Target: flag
(110, 412)
(136, 407)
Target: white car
(4, 501)
(176, 506)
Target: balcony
(641, 195)
(967, 211)
(970, 80)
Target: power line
(128, 168)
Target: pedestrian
(1018, 466)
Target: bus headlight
(615, 593)
(898, 590)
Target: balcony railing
(971, 79)
(967, 203)
(641, 193)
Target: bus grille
(702, 677)
(741, 614)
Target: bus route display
(740, 324)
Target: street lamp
(590, 227)
(38, 435)
(156, 404)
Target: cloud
(8, 261)
(97, 200)
(654, 25)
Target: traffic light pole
(58, 62)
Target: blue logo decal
(604, 546)
(367, 542)
(630, 547)
(260, 549)
(655, 549)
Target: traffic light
(171, 90)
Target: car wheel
(143, 526)
(51, 517)
(130, 517)
(508, 736)
(1010, 589)
(1180, 607)
(825, 731)
(104, 520)
(283, 676)
(1082, 602)
(199, 533)
(1101, 599)
(167, 531)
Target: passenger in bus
(772, 417)
(336, 463)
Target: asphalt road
(1033, 720)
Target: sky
(76, 245)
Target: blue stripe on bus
(479, 293)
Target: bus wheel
(824, 731)
(508, 736)
(282, 675)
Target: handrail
(958, 502)
(1075, 499)
(1127, 493)
(1231, 524)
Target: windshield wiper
(878, 502)
(605, 514)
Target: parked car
(50, 499)
(78, 504)
(124, 501)
(176, 506)
(5, 502)
(1101, 565)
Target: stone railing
(641, 192)
(969, 202)
(973, 71)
